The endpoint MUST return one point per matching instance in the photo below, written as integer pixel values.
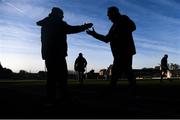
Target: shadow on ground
(91, 101)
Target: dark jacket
(54, 35)
(120, 37)
(80, 64)
(164, 65)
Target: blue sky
(157, 21)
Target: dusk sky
(157, 22)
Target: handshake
(88, 31)
(87, 25)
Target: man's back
(53, 37)
(80, 64)
(120, 37)
(164, 65)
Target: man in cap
(54, 50)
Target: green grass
(91, 82)
(22, 82)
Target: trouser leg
(114, 77)
(131, 78)
(62, 83)
(51, 81)
(130, 75)
(57, 78)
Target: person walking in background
(79, 66)
(122, 45)
(54, 51)
(164, 67)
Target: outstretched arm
(96, 35)
(75, 29)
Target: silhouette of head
(80, 54)
(57, 12)
(166, 56)
(113, 13)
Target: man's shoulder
(125, 17)
(163, 60)
(77, 59)
(84, 58)
(64, 22)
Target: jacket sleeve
(74, 29)
(101, 37)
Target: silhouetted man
(79, 66)
(122, 45)
(164, 66)
(54, 50)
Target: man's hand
(88, 25)
(91, 32)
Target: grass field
(175, 82)
(26, 99)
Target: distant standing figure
(54, 50)
(164, 66)
(122, 45)
(79, 66)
